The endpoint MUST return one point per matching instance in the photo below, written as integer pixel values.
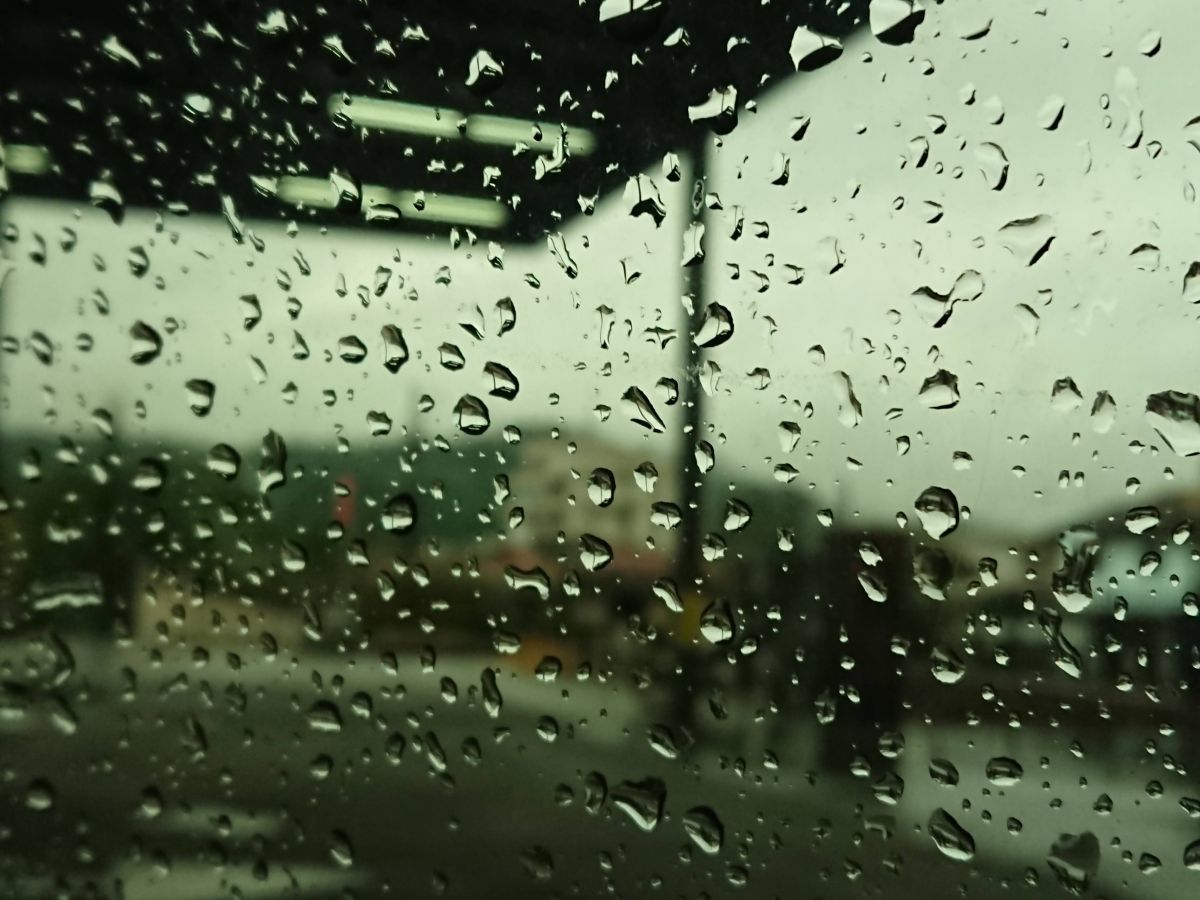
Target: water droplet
(641, 411)
(534, 579)
(895, 21)
(719, 110)
(644, 199)
(537, 863)
(400, 514)
(324, 715)
(1065, 656)
(223, 460)
(951, 838)
(1176, 417)
(39, 795)
(646, 477)
(149, 477)
(873, 586)
(594, 552)
(1104, 412)
(1028, 239)
(1141, 519)
(1004, 771)
(642, 801)
(139, 262)
(1065, 396)
(251, 311)
(147, 343)
(1075, 859)
(504, 382)
(42, 349)
(272, 470)
(106, 197)
(668, 592)
(451, 357)
(1051, 112)
(492, 701)
(351, 349)
(943, 772)
(200, 394)
(472, 415)
(849, 410)
(810, 50)
(484, 73)
(341, 851)
(946, 666)
(395, 350)
(993, 164)
(1072, 582)
(939, 390)
(932, 572)
(602, 487)
(716, 328)
(693, 245)
(737, 515)
(1191, 856)
(935, 308)
(704, 828)
(938, 511)
(716, 623)
(595, 792)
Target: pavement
(322, 774)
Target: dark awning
(416, 107)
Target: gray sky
(1101, 319)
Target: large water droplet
(704, 828)
(200, 394)
(1072, 582)
(351, 349)
(1176, 417)
(472, 415)
(642, 411)
(642, 801)
(951, 838)
(504, 382)
(717, 326)
(272, 471)
(223, 460)
(895, 21)
(937, 509)
(1075, 859)
(492, 701)
(602, 487)
(1028, 239)
(147, 343)
(939, 390)
(716, 623)
(535, 579)
(594, 552)
(1004, 771)
(810, 50)
(993, 163)
(400, 514)
(395, 350)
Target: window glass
(622, 448)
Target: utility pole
(691, 395)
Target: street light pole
(691, 395)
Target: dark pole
(691, 395)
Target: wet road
(313, 775)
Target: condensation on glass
(622, 448)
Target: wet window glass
(608, 448)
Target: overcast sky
(1093, 312)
